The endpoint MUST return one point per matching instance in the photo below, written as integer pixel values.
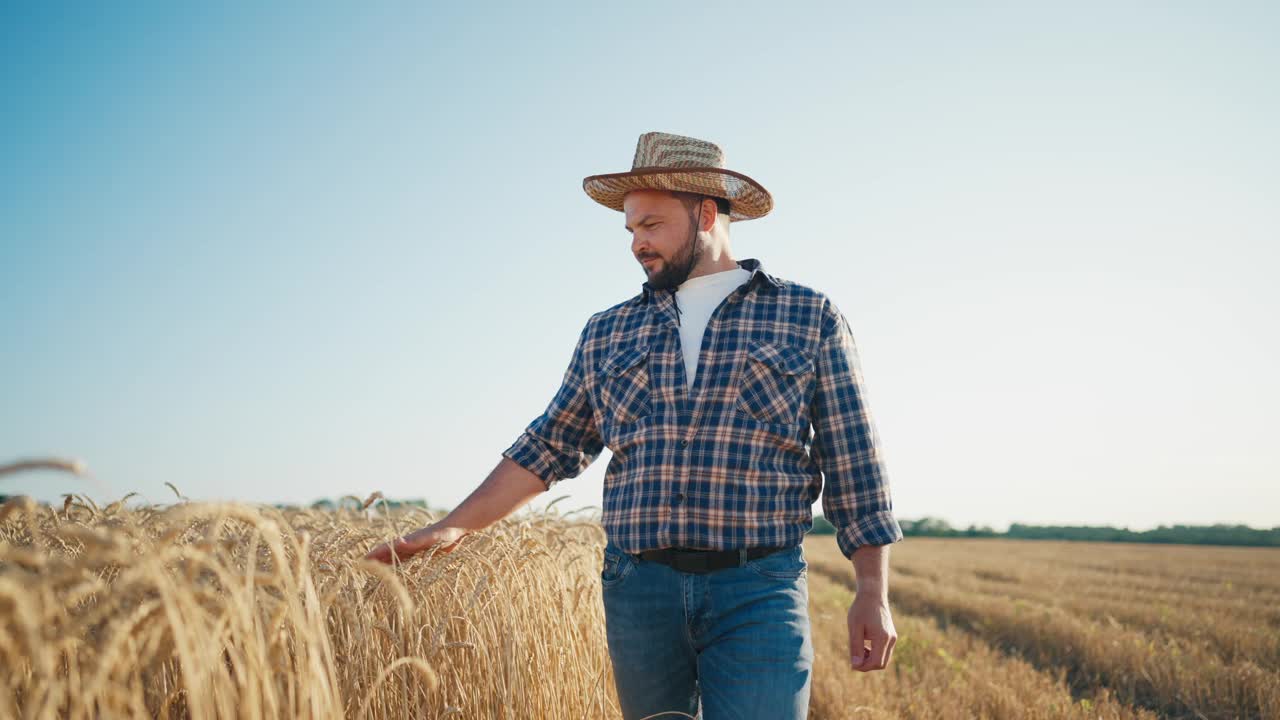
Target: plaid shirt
(738, 461)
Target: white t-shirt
(697, 298)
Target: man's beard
(674, 273)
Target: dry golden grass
(222, 610)
(1016, 629)
(210, 610)
(936, 673)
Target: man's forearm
(507, 489)
(871, 566)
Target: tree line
(1217, 534)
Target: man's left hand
(870, 623)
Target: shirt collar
(758, 275)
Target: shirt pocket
(624, 386)
(774, 378)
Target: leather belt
(705, 561)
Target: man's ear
(710, 215)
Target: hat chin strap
(693, 241)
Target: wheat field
(200, 610)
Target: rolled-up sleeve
(562, 441)
(846, 446)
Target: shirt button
(684, 443)
(679, 497)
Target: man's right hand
(415, 542)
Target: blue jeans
(733, 643)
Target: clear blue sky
(296, 252)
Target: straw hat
(674, 162)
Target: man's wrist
(871, 570)
(870, 586)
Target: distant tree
(822, 526)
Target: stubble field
(203, 610)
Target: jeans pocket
(786, 564)
(617, 566)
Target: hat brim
(747, 198)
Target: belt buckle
(698, 564)
(702, 562)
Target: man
(726, 395)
